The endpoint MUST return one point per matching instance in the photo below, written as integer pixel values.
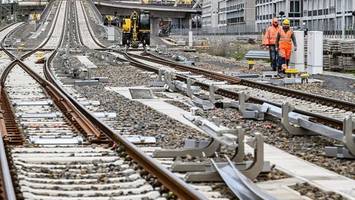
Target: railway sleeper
(248, 110)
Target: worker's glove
(295, 49)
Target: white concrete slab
(339, 74)
(86, 62)
(309, 172)
(157, 104)
(54, 40)
(84, 29)
(280, 189)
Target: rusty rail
(164, 176)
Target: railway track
(58, 157)
(72, 95)
(256, 87)
(327, 111)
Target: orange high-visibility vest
(271, 35)
(285, 39)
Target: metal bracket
(201, 166)
(349, 137)
(212, 96)
(189, 92)
(208, 151)
(204, 104)
(251, 170)
(240, 150)
(338, 152)
(160, 74)
(348, 151)
(168, 77)
(250, 111)
(293, 129)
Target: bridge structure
(180, 14)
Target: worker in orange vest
(269, 40)
(284, 41)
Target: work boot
(281, 74)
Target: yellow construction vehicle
(136, 30)
(35, 17)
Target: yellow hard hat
(286, 22)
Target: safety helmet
(286, 22)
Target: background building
(327, 15)
(267, 9)
(230, 15)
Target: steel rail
(96, 11)
(7, 184)
(47, 39)
(5, 170)
(44, 13)
(277, 89)
(164, 176)
(98, 43)
(238, 183)
(8, 191)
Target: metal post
(343, 20)
(190, 32)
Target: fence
(225, 30)
(251, 31)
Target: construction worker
(284, 41)
(269, 40)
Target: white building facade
(267, 9)
(228, 14)
(327, 15)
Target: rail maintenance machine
(136, 30)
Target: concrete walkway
(309, 172)
(157, 104)
(338, 74)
